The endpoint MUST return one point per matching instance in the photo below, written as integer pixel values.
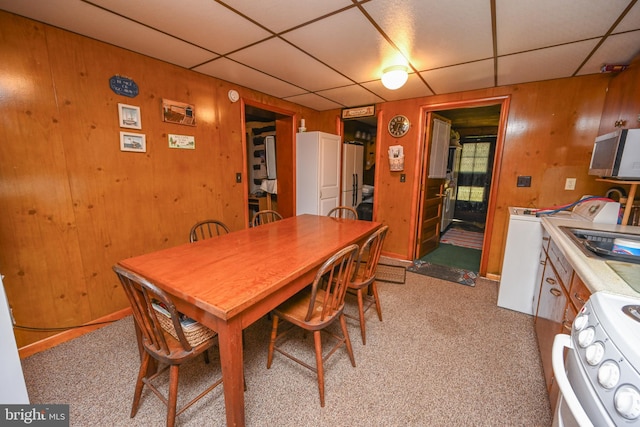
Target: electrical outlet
(524, 181)
(570, 184)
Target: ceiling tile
(526, 25)
(631, 21)
(279, 15)
(198, 21)
(413, 88)
(350, 44)
(438, 34)
(459, 78)
(231, 71)
(543, 64)
(615, 50)
(99, 24)
(351, 96)
(280, 59)
(311, 100)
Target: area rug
(390, 273)
(464, 238)
(451, 274)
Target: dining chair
(207, 229)
(343, 212)
(363, 282)
(313, 309)
(167, 336)
(264, 217)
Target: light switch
(238, 177)
(403, 177)
(570, 184)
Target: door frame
(503, 101)
(285, 155)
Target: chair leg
(374, 288)
(361, 316)
(317, 340)
(272, 341)
(144, 364)
(347, 341)
(173, 395)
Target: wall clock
(399, 126)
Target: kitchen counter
(594, 272)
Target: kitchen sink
(599, 244)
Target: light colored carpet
(445, 354)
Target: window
(474, 161)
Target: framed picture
(129, 116)
(178, 112)
(136, 142)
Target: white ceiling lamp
(395, 77)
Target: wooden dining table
(229, 282)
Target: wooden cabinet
(562, 295)
(622, 103)
(317, 172)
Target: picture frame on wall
(136, 142)
(129, 116)
(178, 112)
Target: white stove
(601, 386)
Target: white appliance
(518, 281)
(599, 379)
(14, 389)
(520, 262)
(317, 172)
(352, 168)
(451, 187)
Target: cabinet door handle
(567, 325)
(555, 292)
(580, 299)
(550, 280)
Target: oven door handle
(557, 360)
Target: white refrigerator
(352, 169)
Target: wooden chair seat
(363, 283)
(316, 307)
(163, 340)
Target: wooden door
(431, 190)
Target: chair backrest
(143, 295)
(264, 217)
(331, 283)
(343, 212)
(369, 255)
(207, 229)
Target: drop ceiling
(330, 54)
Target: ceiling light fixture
(395, 77)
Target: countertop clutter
(594, 272)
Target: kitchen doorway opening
(466, 191)
(269, 136)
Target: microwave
(617, 155)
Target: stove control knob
(609, 374)
(627, 402)
(594, 353)
(586, 336)
(580, 322)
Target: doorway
(269, 140)
(466, 211)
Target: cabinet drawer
(578, 293)
(560, 264)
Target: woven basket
(195, 332)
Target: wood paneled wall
(549, 136)
(73, 204)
